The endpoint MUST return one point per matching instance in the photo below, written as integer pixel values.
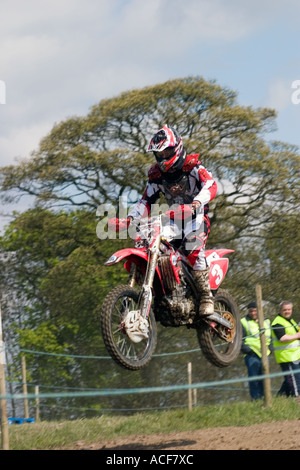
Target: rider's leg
(201, 277)
(194, 248)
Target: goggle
(165, 154)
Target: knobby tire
(132, 356)
(218, 352)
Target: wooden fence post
(24, 380)
(4, 420)
(264, 349)
(37, 404)
(190, 383)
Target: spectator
(286, 341)
(251, 347)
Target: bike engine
(175, 308)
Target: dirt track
(282, 435)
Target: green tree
(87, 161)
(53, 261)
(281, 250)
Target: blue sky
(57, 59)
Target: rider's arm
(208, 186)
(143, 206)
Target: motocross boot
(206, 306)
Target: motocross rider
(188, 187)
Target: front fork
(132, 275)
(146, 293)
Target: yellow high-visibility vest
(286, 351)
(253, 334)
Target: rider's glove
(181, 212)
(118, 224)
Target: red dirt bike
(167, 294)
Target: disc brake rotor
(226, 333)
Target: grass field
(50, 435)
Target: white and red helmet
(168, 149)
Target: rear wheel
(117, 305)
(220, 345)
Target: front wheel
(119, 303)
(220, 345)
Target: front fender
(136, 256)
(126, 253)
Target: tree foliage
(92, 160)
